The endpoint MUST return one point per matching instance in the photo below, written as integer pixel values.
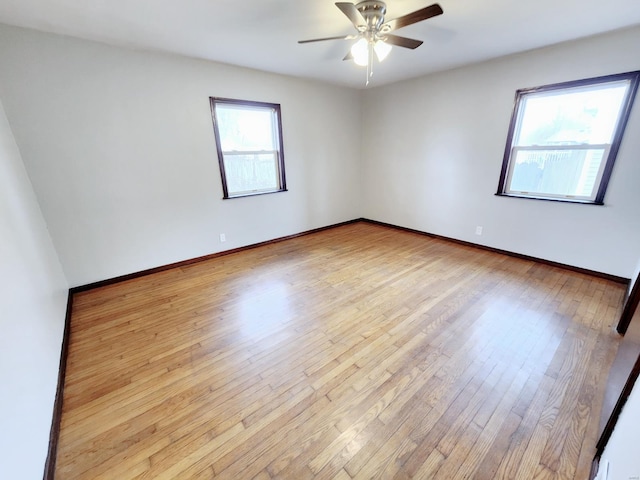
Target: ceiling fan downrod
(374, 33)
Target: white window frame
(277, 153)
(609, 151)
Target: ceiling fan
(374, 34)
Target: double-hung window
(563, 138)
(249, 142)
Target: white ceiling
(263, 34)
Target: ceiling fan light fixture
(360, 52)
(382, 49)
(374, 32)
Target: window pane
(573, 116)
(557, 172)
(245, 128)
(563, 138)
(251, 173)
(249, 144)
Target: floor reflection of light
(262, 307)
(495, 326)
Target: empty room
(280, 239)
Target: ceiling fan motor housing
(367, 17)
(373, 12)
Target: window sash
(513, 150)
(235, 180)
(559, 157)
(252, 182)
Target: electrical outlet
(478, 230)
(223, 237)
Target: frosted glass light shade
(360, 52)
(382, 49)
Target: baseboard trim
(54, 433)
(630, 305)
(184, 263)
(606, 276)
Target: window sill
(546, 199)
(253, 194)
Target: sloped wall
(33, 298)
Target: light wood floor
(357, 352)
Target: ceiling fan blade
(348, 56)
(414, 17)
(402, 41)
(341, 37)
(350, 10)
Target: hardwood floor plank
(510, 464)
(356, 422)
(488, 467)
(356, 352)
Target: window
(249, 141)
(563, 138)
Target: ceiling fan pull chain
(367, 16)
(369, 66)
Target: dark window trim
(254, 194)
(213, 101)
(634, 78)
(549, 199)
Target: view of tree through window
(564, 138)
(249, 146)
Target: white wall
(622, 449)
(634, 275)
(433, 149)
(33, 294)
(120, 148)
